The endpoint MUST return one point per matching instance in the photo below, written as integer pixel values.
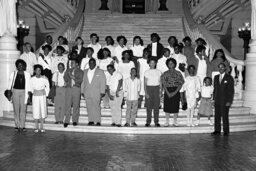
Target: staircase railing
(195, 30)
(71, 29)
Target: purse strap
(15, 73)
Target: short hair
(166, 50)
(111, 66)
(60, 37)
(200, 48)
(222, 64)
(187, 38)
(155, 35)
(134, 68)
(152, 59)
(89, 48)
(111, 38)
(61, 64)
(61, 48)
(173, 37)
(121, 37)
(192, 66)
(22, 62)
(27, 43)
(130, 53)
(201, 40)
(106, 49)
(94, 34)
(80, 38)
(74, 59)
(92, 59)
(209, 78)
(72, 53)
(141, 40)
(38, 66)
(49, 36)
(47, 47)
(176, 45)
(171, 60)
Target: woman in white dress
(172, 40)
(124, 67)
(137, 47)
(40, 89)
(94, 44)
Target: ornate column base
(249, 95)
(8, 55)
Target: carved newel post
(162, 6)
(104, 5)
(8, 48)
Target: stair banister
(195, 30)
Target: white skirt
(39, 107)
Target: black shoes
(215, 133)
(147, 125)
(74, 123)
(98, 124)
(126, 125)
(157, 125)
(225, 134)
(113, 124)
(91, 123)
(118, 125)
(65, 125)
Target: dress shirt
(113, 81)
(125, 68)
(153, 77)
(58, 78)
(154, 49)
(118, 52)
(90, 74)
(96, 49)
(85, 63)
(31, 60)
(132, 88)
(206, 91)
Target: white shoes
(210, 122)
(197, 122)
(166, 124)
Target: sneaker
(197, 122)
(147, 125)
(126, 125)
(166, 125)
(43, 130)
(36, 130)
(210, 122)
(113, 124)
(65, 125)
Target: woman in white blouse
(40, 89)
(137, 47)
(172, 40)
(110, 44)
(94, 44)
(125, 66)
(120, 48)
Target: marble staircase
(131, 25)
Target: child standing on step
(205, 107)
(132, 87)
(40, 89)
(192, 90)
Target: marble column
(8, 48)
(250, 63)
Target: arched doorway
(134, 6)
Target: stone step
(107, 120)
(143, 113)
(182, 129)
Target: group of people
(116, 75)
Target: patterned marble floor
(85, 151)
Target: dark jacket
(82, 53)
(159, 50)
(79, 74)
(223, 92)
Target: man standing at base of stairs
(223, 95)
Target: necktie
(220, 78)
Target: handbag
(52, 92)
(7, 92)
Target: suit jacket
(78, 77)
(159, 49)
(82, 53)
(97, 85)
(223, 92)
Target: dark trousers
(48, 74)
(221, 111)
(153, 103)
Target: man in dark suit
(156, 49)
(79, 49)
(223, 95)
